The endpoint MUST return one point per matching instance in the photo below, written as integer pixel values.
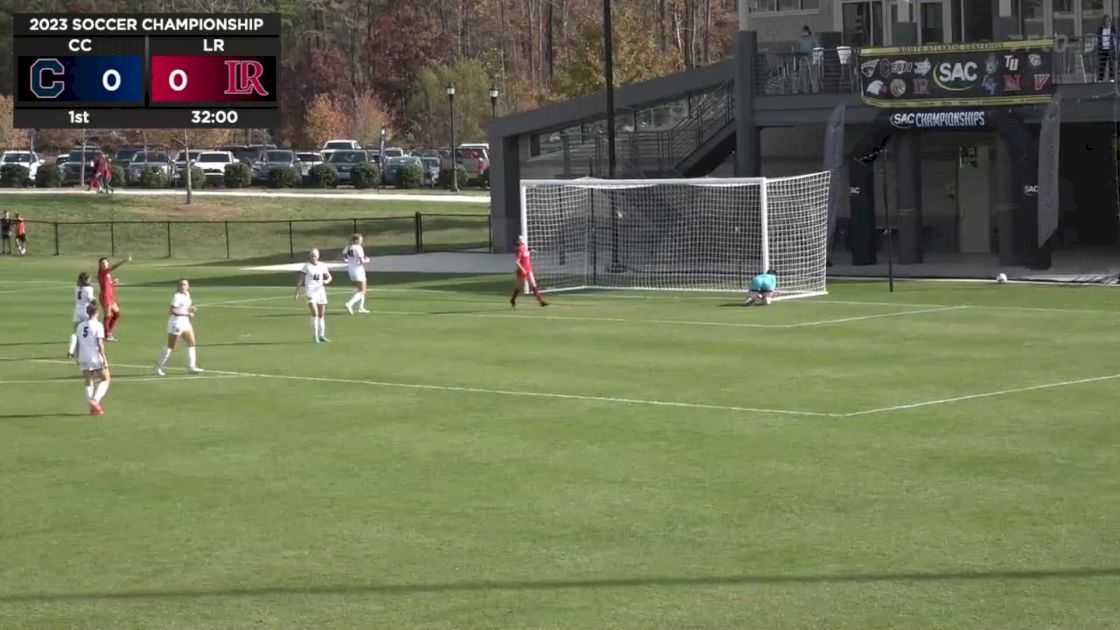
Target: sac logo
(854, 191)
(1030, 190)
(956, 77)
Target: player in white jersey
(355, 257)
(92, 360)
(179, 324)
(83, 298)
(313, 280)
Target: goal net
(702, 234)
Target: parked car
(428, 153)
(28, 159)
(267, 160)
(181, 163)
(341, 145)
(475, 158)
(394, 165)
(144, 160)
(72, 168)
(60, 159)
(344, 162)
(241, 152)
(214, 163)
(394, 152)
(431, 171)
(373, 156)
(124, 154)
(306, 160)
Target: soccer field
(946, 456)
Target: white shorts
(95, 365)
(358, 275)
(318, 296)
(178, 326)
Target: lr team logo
(46, 78)
(244, 77)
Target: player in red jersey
(525, 280)
(108, 296)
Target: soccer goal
(703, 234)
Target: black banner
(958, 75)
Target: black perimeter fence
(273, 239)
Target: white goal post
(704, 234)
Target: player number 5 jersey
(314, 277)
(88, 334)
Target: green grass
(260, 229)
(345, 496)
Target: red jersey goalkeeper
(525, 280)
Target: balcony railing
(1078, 62)
(829, 70)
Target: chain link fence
(211, 240)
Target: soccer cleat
(95, 409)
(363, 311)
(317, 339)
(160, 372)
(195, 370)
(324, 340)
(513, 303)
(69, 355)
(110, 338)
(350, 308)
(543, 304)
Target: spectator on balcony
(806, 43)
(1106, 49)
(803, 51)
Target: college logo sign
(958, 75)
(948, 120)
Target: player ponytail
(83, 279)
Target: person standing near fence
(356, 259)
(21, 235)
(6, 232)
(1106, 49)
(108, 294)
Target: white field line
(617, 320)
(607, 399)
(473, 390)
(879, 316)
(58, 288)
(1001, 392)
(117, 379)
(1038, 309)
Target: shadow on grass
(546, 585)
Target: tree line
(349, 67)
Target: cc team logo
(46, 78)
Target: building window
(773, 6)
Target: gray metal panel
(638, 96)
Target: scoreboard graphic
(146, 71)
